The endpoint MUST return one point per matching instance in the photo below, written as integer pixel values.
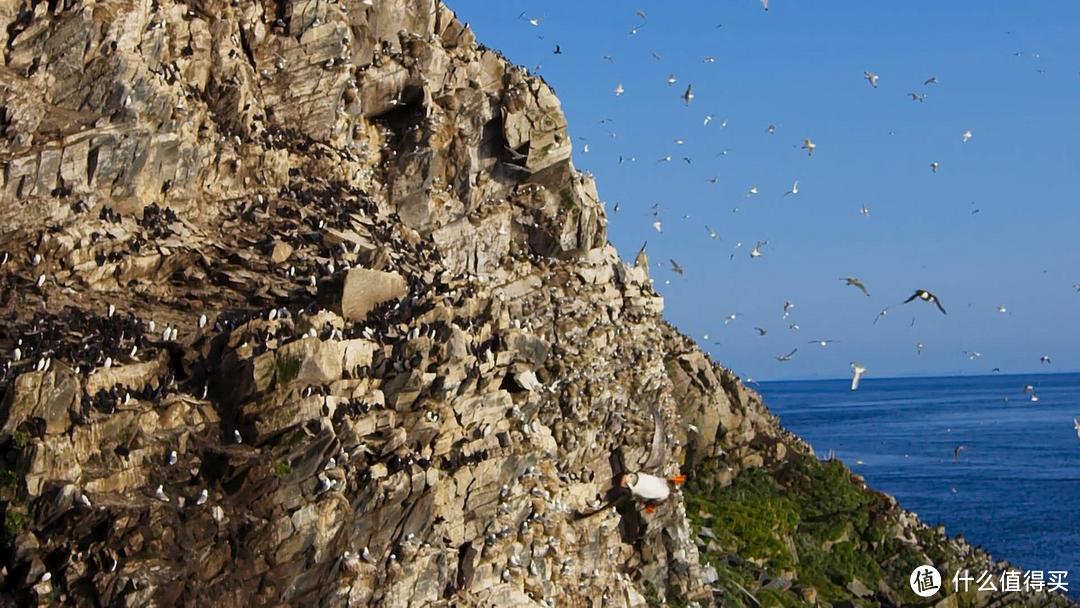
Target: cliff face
(305, 304)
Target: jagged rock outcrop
(305, 304)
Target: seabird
(787, 357)
(857, 372)
(1076, 425)
(160, 494)
(871, 77)
(966, 136)
(884, 311)
(676, 267)
(1044, 359)
(926, 296)
(822, 343)
(619, 90)
(172, 458)
(201, 500)
(237, 437)
(202, 321)
(688, 95)
(761, 331)
(956, 452)
(651, 489)
(794, 188)
(753, 191)
(931, 80)
(756, 251)
(712, 233)
(809, 145)
(918, 97)
(855, 282)
(934, 167)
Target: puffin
(926, 296)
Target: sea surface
(1015, 489)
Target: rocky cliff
(305, 304)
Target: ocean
(1015, 489)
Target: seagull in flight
(788, 305)
(1076, 425)
(619, 90)
(712, 233)
(966, 136)
(956, 452)
(931, 80)
(864, 210)
(676, 267)
(671, 79)
(809, 145)
(761, 331)
(884, 311)
(787, 357)
(822, 343)
(688, 95)
(856, 283)
(753, 192)
(918, 97)
(857, 372)
(1045, 359)
(756, 251)
(934, 166)
(732, 317)
(794, 188)
(872, 78)
(926, 296)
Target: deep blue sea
(1015, 490)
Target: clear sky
(1007, 71)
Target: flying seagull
(688, 95)
(956, 451)
(1045, 359)
(871, 77)
(676, 267)
(1076, 425)
(761, 331)
(822, 343)
(794, 188)
(857, 372)
(787, 357)
(808, 145)
(966, 136)
(712, 233)
(926, 296)
(756, 251)
(855, 282)
(931, 80)
(934, 166)
(917, 97)
(619, 90)
(884, 311)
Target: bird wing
(913, 296)
(940, 307)
(657, 452)
(855, 379)
(861, 287)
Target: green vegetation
(811, 523)
(282, 468)
(14, 521)
(288, 368)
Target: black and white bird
(872, 78)
(926, 296)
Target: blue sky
(800, 67)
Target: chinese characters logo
(925, 581)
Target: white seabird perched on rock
(201, 500)
(159, 494)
